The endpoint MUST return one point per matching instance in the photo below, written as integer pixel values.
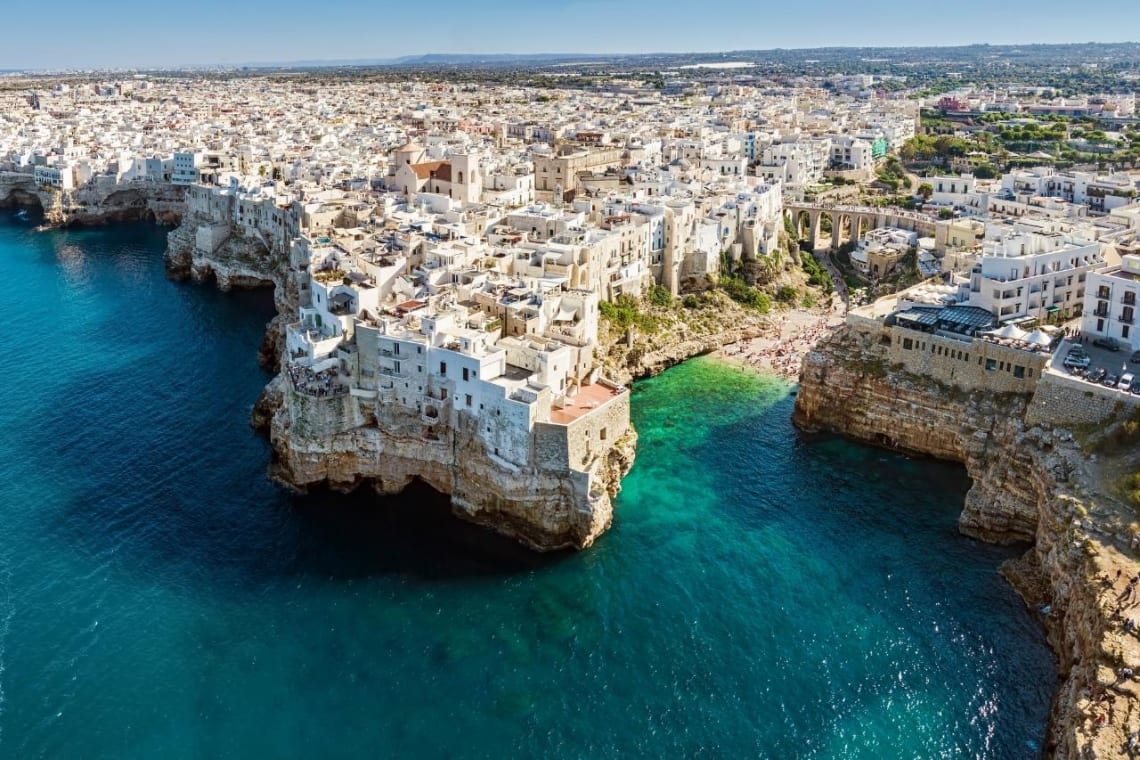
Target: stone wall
(968, 365)
(591, 435)
(319, 416)
(1062, 401)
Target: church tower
(466, 177)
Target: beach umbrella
(1011, 332)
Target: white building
(185, 170)
(1029, 274)
(1111, 303)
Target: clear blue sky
(121, 33)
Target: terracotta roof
(440, 170)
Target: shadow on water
(363, 534)
(326, 535)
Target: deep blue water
(761, 594)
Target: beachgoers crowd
(780, 354)
(323, 383)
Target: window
(443, 368)
(908, 344)
(602, 434)
(468, 397)
(991, 365)
(1019, 371)
(465, 375)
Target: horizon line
(412, 57)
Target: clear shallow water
(761, 595)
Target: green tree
(926, 190)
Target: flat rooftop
(589, 398)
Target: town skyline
(135, 36)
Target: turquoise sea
(761, 594)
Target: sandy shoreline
(781, 350)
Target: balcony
(430, 415)
(393, 373)
(1125, 320)
(1128, 299)
(1100, 312)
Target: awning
(1053, 309)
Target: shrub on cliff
(743, 293)
(817, 275)
(787, 294)
(659, 295)
(625, 311)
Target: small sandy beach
(781, 350)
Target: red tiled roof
(440, 170)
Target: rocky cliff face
(547, 510)
(239, 262)
(1031, 482)
(101, 203)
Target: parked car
(1096, 375)
(1135, 358)
(1125, 381)
(1077, 361)
(1135, 389)
(1109, 343)
(1109, 380)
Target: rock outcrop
(1032, 481)
(546, 508)
(104, 201)
(237, 262)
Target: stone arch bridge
(852, 223)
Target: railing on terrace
(954, 336)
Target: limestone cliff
(236, 262)
(1032, 481)
(103, 201)
(547, 508)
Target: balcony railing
(1125, 320)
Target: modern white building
(1029, 274)
(1111, 303)
(185, 171)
